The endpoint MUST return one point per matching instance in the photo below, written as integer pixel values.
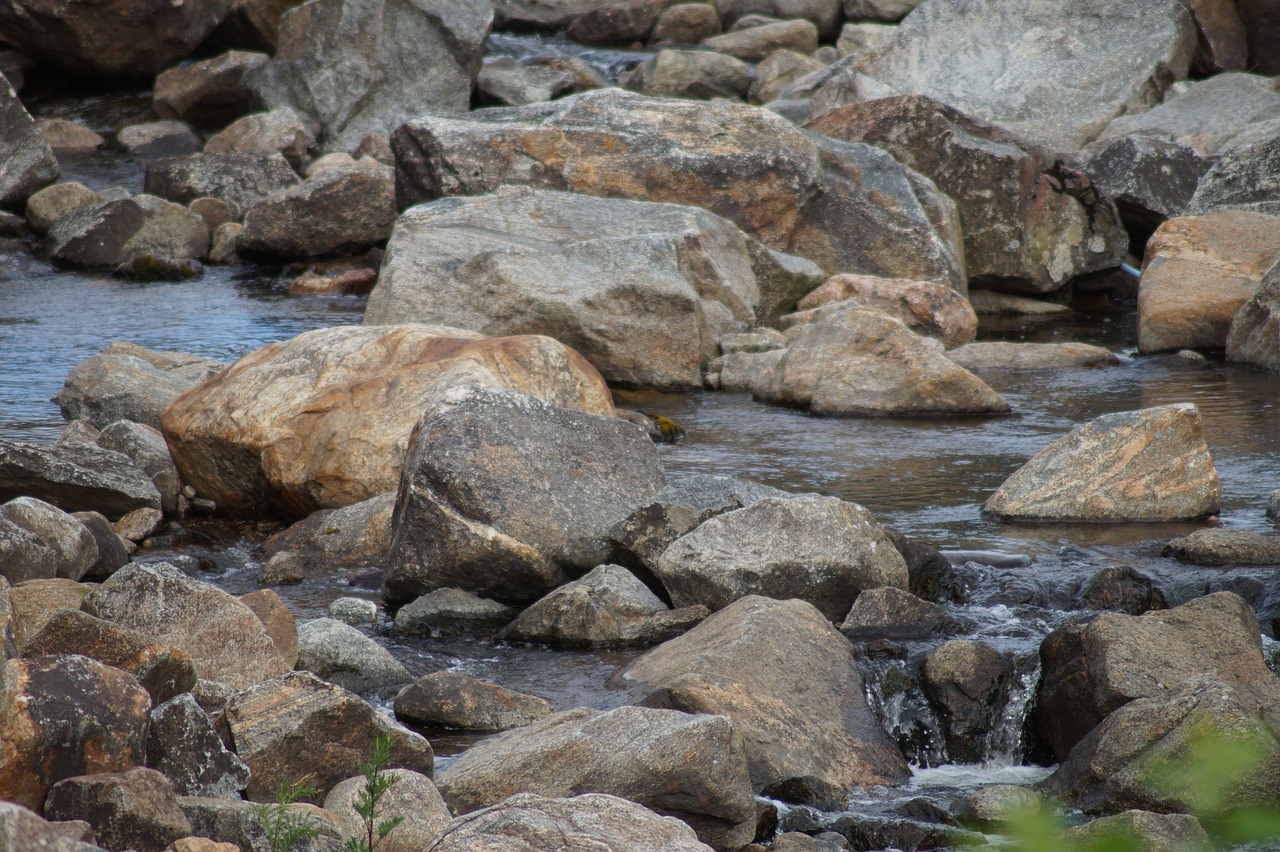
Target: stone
(791, 190)
(351, 282)
(210, 93)
(1225, 547)
(878, 10)
(1144, 830)
(299, 222)
(214, 212)
(40, 541)
(297, 725)
(50, 204)
(685, 23)
(988, 303)
(170, 138)
(279, 131)
(454, 701)
(1148, 465)
(92, 717)
(809, 734)
(138, 525)
(75, 478)
(354, 611)
(451, 612)
(504, 82)
(116, 232)
(277, 620)
(1120, 588)
(966, 681)
(29, 163)
(322, 420)
(756, 43)
(690, 767)
(359, 68)
(254, 24)
(1029, 221)
(343, 655)
(579, 269)
(622, 22)
(411, 798)
(503, 492)
(1223, 44)
(928, 308)
(591, 822)
(994, 806)
(777, 71)
(224, 637)
(888, 612)
(134, 810)
(1253, 338)
(127, 382)
(67, 137)
(146, 447)
(350, 539)
(23, 829)
(696, 74)
(1031, 356)
(113, 551)
(35, 602)
(183, 745)
(241, 180)
(1244, 178)
(1262, 33)
(1149, 179)
(162, 670)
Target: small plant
(286, 828)
(376, 783)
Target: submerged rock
(1031, 356)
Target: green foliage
(376, 784)
(286, 828)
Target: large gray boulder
(183, 745)
(1254, 336)
(1148, 465)
(1218, 546)
(1245, 178)
(75, 477)
(687, 766)
(109, 234)
(39, 541)
(642, 290)
(127, 382)
(26, 162)
(343, 655)
(367, 67)
(502, 492)
(791, 190)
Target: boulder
(1225, 547)
(791, 190)
(29, 164)
(64, 716)
(1143, 830)
(1120, 588)
(210, 93)
(1245, 178)
(503, 81)
(451, 612)
(241, 180)
(697, 74)
(966, 681)
(1149, 179)
(360, 68)
(343, 655)
(892, 613)
(1148, 465)
(1254, 336)
(996, 806)
(928, 308)
(118, 38)
(299, 222)
(67, 137)
(641, 290)
(823, 550)
(685, 23)
(23, 829)
(183, 745)
(586, 823)
(777, 71)
(809, 734)
(277, 620)
(689, 767)
(322, 420)
(50, 204)
(135, 810)
(35, 602)
(455, 701)
(113, 551)
(116, 232)
(411, 798)
(280, 130)
(503, 492)
(297, 726)
(755, 43)
(39, 541)
(152, 139)
(350, 539)
(127, 382)
(1031, 356)
(75, 478)
(1029, 222)
(254, 24)
(620, 22)
(224, 637)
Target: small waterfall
(894, 695)
(1006, 744)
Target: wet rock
(75, 478)
(691, 74)
(279, 131)
(162, 670)
(351, 282)
(29, 164)
(1149, 179)
(151, 268)
(146, 447)
(891, 613)
(23, 829)
(504, 82)
(67, 137)
(241, 180)
(411, 798)
(1031, 356)
(451, 612)
(452, 700)
(502, 492)
(134, 810)
(127, 382)
(277, 620)
(1148, 465)
(115, 232)
(349, 539)
(691, 767)
(994, 806)
(299, 222)
(343, 655)
(819, 549)
(967, 682)
(1245, 178)
(762, 173)
(1120, 588)
(297, 725)
(183, 745)
(777, 71)
(756, 43)
(1091, 671)
(1144, 830)
(159, 139)
(65, 716)
(354, 611)
(397, 60)
(988, 303)
(927, 308)
(223, 636)
(40, 541)
(577, 268)
(210, 93)
(1253, 338)
(1225, 547)
(322, 420)
(809, 734)
(685, 23)
(35, 602)
(50, 204)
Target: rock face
(690, 767)
(1022, 75)
(343, 655)
(1244, 178)
(452, 700)
(27, 162)
(1148, 465)
(360, 68)
(1254, 337)
(809, 734)
(1225, 547)
(183, 745)
(588, 823)
(39, 541)
(1029, 222)
(322, 420)
(503, 491)
(1198, 272)
(790, 190)
(411, 797)
(928, 308)
(75, 478)
(91, 716)
(643, 291)
(823, 550)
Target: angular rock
(159, 139)
(134, 810)
(210, 93)
(1245, 178)
(323, 420)
(927, 308)
(792, 191)
(755, 43)
(1225, 547)
(279, 131)
(183, 745)
(690, 767)
(67, 137)
(113, 551)
(1031, 356)
(277, 620)
(349, 539)
(891, 613)
(777, 71)
(504, 82)
(1149, 179)
(343, 655)
(1148, 465)
(116, 232)
(35, 602)
(146, 447)
(452, 700)
(22, 829)
(411, 798)
(50, 204)
(1120, 588)
(965, 681)
(28, 163)
(451, 612)
(39, 541)
(1144, 830)
(696, 74)
(75, 478)
(685, 23)
(1254, 336)
(809, 734)
(241, 180)
(579, 269)
(502, 492)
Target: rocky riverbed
(664, 425)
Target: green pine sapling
(376, 783)
(286, 828)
